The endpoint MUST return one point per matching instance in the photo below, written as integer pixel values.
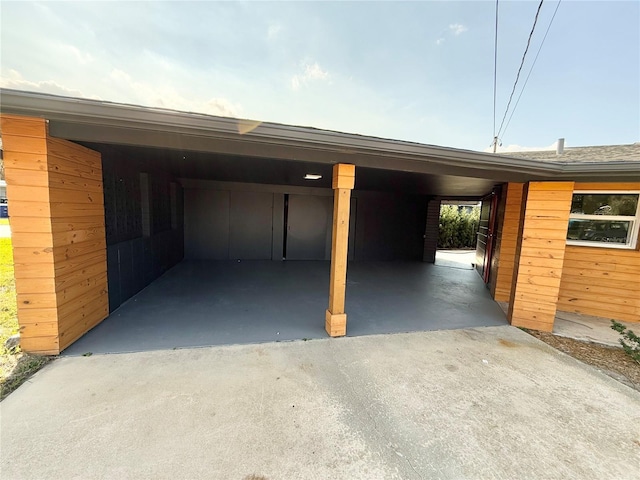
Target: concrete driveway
(480, 403)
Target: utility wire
(495, 80)
(535, 20)
(530, 70)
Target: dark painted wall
(224, 225)
(431, 231)
(234, 222)
(144, 226)
(390, 226)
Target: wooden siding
(604, 282)
(509, 212)
(540, 254)
(56, 212)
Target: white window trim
(635, 221)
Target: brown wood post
(344, 176)
(540, 255)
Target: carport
(202, 303)
(225, 228)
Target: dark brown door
(485, 235)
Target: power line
(495, 80)
(535, 21)
(531, 69)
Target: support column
(56, 208)
(343, 182)
(540, 255)
(432, 229)
(507, 241)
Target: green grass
(15, 367)
(8, 308)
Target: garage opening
(207, 249)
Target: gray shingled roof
(596, 154)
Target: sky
(420, 71)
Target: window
(604, 219)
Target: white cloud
(131, 91)
(312, 72)
(222, 107)
(165, 96)
(15, 81)
(440, 41)
(82, 57)
(457, 28)
(519, 148)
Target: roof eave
(145, 120)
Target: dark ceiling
(229, 168)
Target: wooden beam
(343, 183)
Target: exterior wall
(383, 226)
(604, 282)
(389, 227)
(144, 224)
(431, 231)
(58, 235)
(503, 260)
(540, 254)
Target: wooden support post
(540, 255)
(343, 182)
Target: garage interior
(206, 249)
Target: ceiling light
(312, 176)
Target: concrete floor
(216, 303)
(461, 404)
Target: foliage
(458, 227)
(8, 307)
(630, 341)
(15, 366)
(605, 204)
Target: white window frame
(635, 221)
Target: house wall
(604, 282)
(595, 281)
(144, 224)
(389, 226)
(383, 226)
(58, 234)
(540, 254)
